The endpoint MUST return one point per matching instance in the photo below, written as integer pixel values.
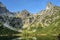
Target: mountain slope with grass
(46, 21)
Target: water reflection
(25, 38)
(7, 37)
(29, 38)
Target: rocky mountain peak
(49, 5)
(1, 4)
(3, 9)
(25, 12)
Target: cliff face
(25, 19)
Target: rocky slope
(49, 15)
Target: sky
(32, 6)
